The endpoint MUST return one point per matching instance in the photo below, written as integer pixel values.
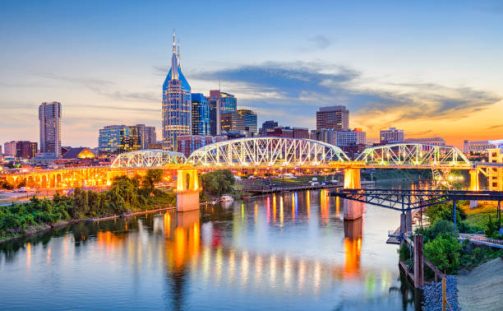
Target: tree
(444, 252)
(218, 182)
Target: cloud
(496, 126)
(104, 88)
(320, 42)
(305, 86)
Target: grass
(479, 216)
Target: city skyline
(400, 74)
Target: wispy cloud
(320, 42)
(305, 86)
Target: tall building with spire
(176, 102)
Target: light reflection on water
(289, 251)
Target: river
(287, 251)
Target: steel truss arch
(414, 155)
(154, 158)
(267, 151)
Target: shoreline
(48, 227)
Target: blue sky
(430, 67)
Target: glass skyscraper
(176, 102)
(200, 115)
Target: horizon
(431, 69)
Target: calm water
(281, 252)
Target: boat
(226, 199)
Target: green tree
(444, 252)
(218, 182)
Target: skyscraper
(176, 102)
(147, 135)
(220, 102)
(249, 120)
(200, 115)
(49, 115)
(334, 117)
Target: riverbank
(43, 228)
(482, 288)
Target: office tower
(200, 115)
(26, 149)
(176, 102)
(232, 122)
(49, 115)
(220, 102)
(391, 136)
(249, 118)
(118, 139)
(328, 136)
(267, 125)
(146, 135)
(334, 117)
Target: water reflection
(283, 251)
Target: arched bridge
(267, 151)
(264, 154)
(414, 156)
(149, 158)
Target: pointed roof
(175, 63)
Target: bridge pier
(474, 185)
(352, 209)
(187, 190)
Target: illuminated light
(281, 212)
(272, 269)
(274, 208)
(245, 268)
(232, 264)
(28, 255)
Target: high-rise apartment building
(391, 136)
(49, 115)
(200, 115)
(176, 102)
(334, 117)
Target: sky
(428, 67)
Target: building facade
(146, 135)
(391, 136)
(189, 143)
(118, 138)
(477, 146)
(10, 148)
(200, 115)
(328, 136)
(49, 115)
(220, 102)
(334, 117)
(350, 137)
(232, 122)
(249, 118)
(26, 149)
(267, 125)
(176, 102)
(433, 141)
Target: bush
(444, 252)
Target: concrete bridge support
(474, 184)
(187, 190)
(352, 209)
